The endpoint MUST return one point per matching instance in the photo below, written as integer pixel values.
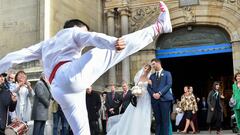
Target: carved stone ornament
(123, 11)
(140, 16)
(190, 16)
(232, 1)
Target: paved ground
(225, 132)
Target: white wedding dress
(135, 120)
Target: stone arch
(215, 13)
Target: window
(188, 2)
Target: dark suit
(5, 104)
(216, 116)
(113, 103)
(203, 107)
(125, 100)
(40, 106)
(162, 106)
(93, 102)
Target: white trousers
(72, 78)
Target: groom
(160, 91)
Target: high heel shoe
(183, 132)
(193, 132)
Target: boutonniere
(117, 101)
(162, 74)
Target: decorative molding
(139, 16)
(124, 11)
(232, 1)
(189, 14)
(109, 12)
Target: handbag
(137, 91)
(173, 115)
(232, 102)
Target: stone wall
(19, 24)
(89, 11)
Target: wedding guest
(40, 105)
(236, 96)
(112, 102)
(195, 115)
(189, 106)
(93, 102)
(103, 114)
(203, 107)
(12, 87)
(59, 116)
(25, 94)
(125, 97)
(215, 109)
(8, 102)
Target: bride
(135, 120)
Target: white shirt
(159, 72)
(67, 44)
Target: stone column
(111, 30)
(236, 56)
(124, 12)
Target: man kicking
(70, 73)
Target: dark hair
(235, 76)
(156, 60)
(75, 22)
(104, 92)
(19, 72)
(214, 84)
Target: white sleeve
(100, 40)
(20, 56)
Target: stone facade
(31, 21)
(221, 13)
(19, 24)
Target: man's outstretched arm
(100, 40)
(24, 55)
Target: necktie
(124, 94)
(215, 94)
(157, 74)
(113, 96)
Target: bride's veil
(139, 74)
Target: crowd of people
(107, 110)
(205, 113)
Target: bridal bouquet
(137, 91)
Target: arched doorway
(197, 56)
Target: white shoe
(164, 18)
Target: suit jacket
(125, 101)
(161, 85)
(93, 102)
(5, 104)
(113, 103)
(211, 101)
(41, 101)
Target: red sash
(56, 67)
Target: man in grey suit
(40, 105)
